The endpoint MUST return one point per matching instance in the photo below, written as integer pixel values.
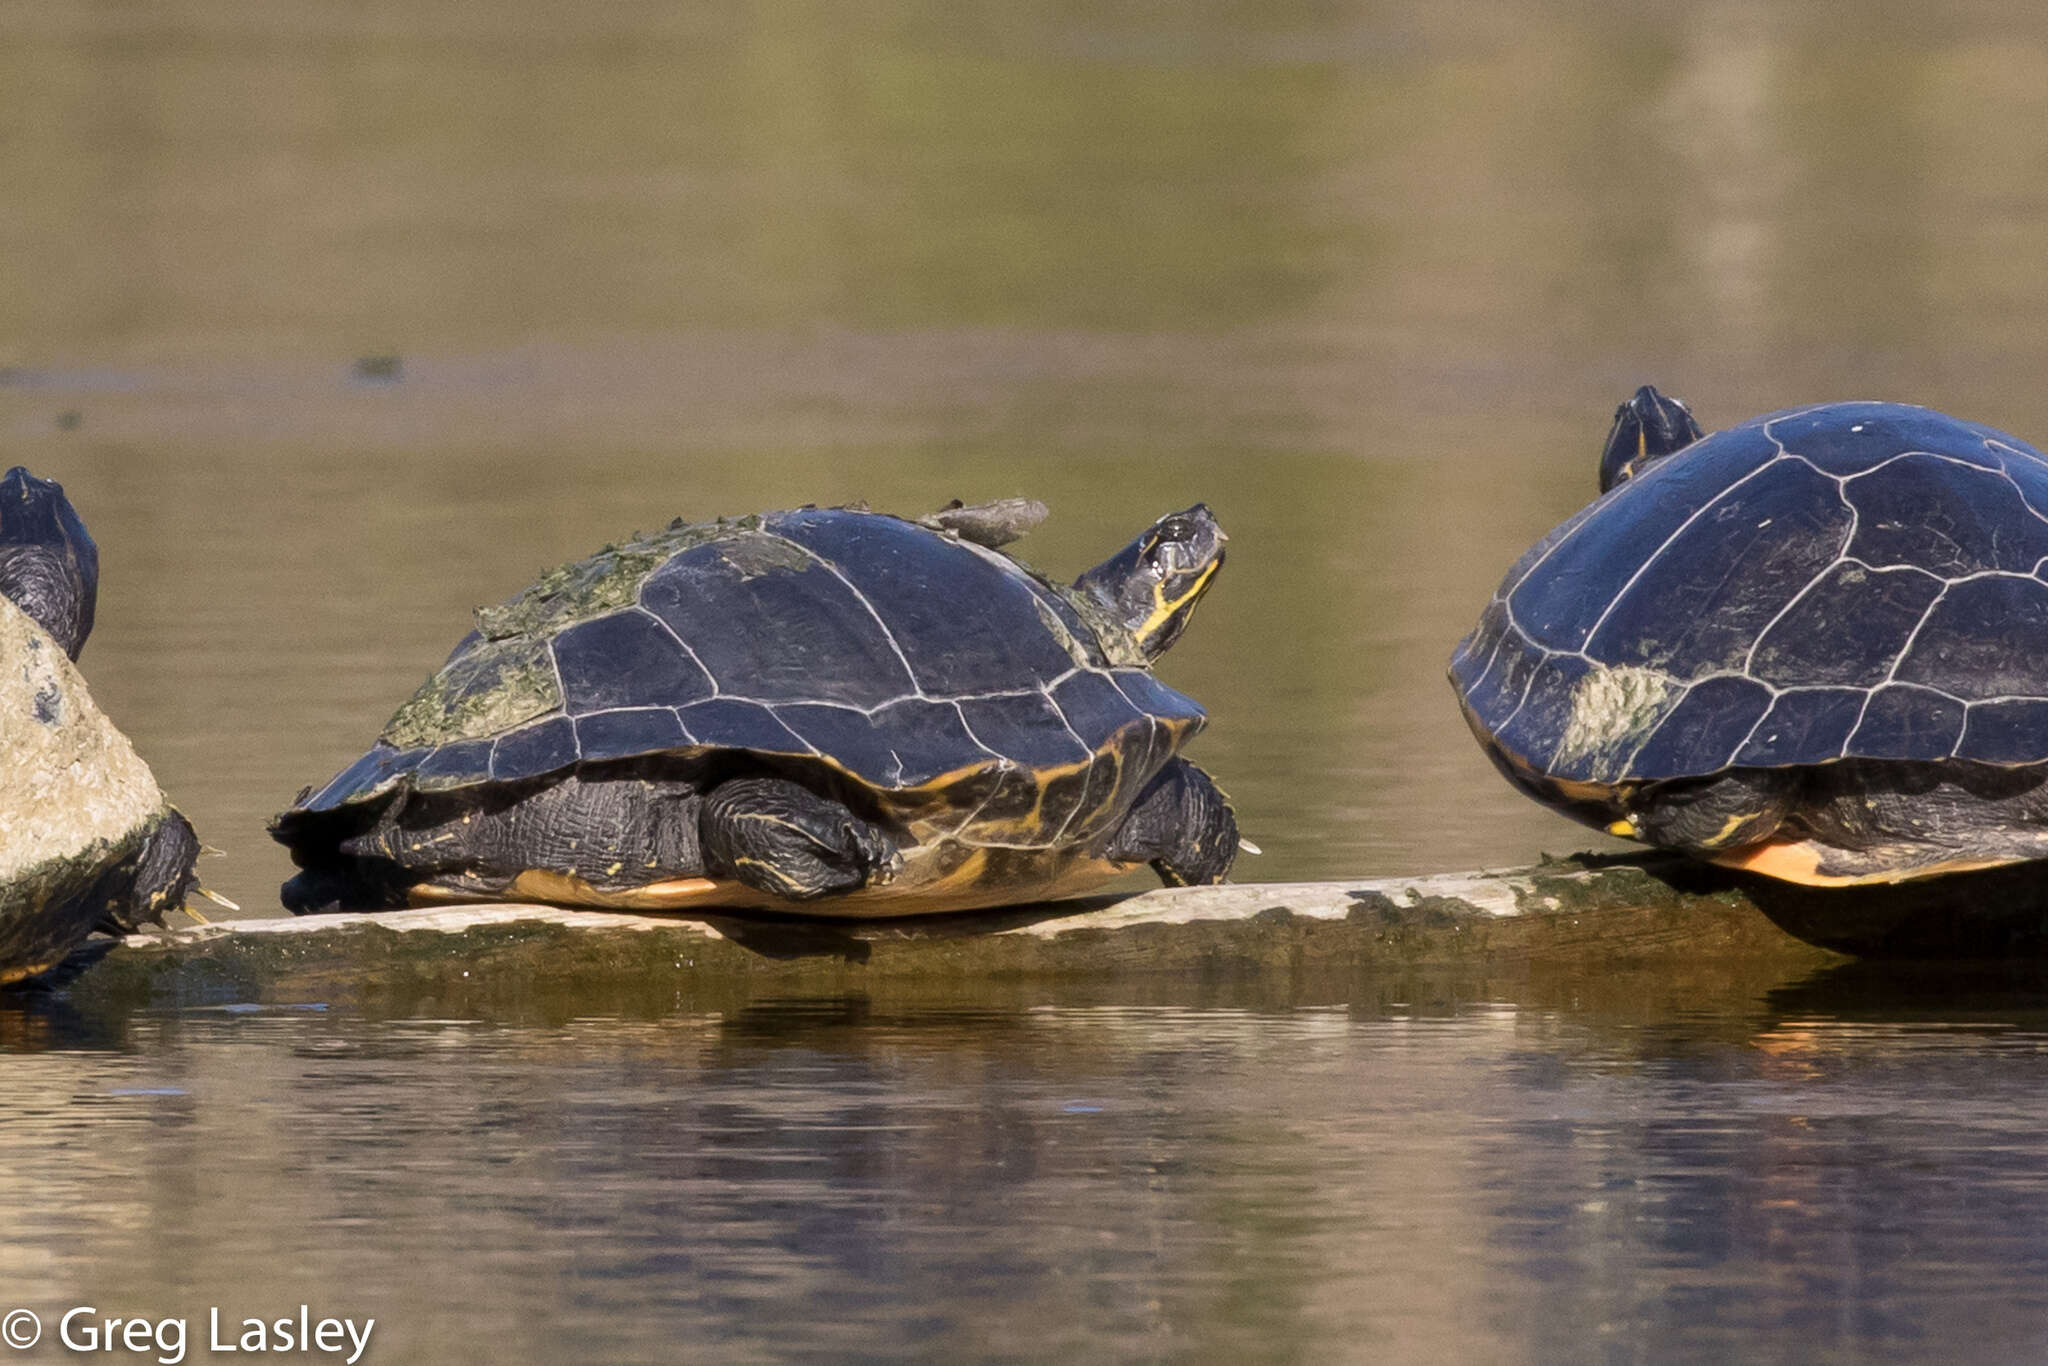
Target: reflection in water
(1678, 1165)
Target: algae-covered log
(78, 807)
(1572, 913)
(1588, 917)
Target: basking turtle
(87, 841)
(827, 710)
(1814, 645)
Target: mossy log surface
(1586, 914)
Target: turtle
(87, 839)
(1813, 645)
(828, 711)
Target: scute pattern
(1858, 580)
(894, 653)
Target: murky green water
(1367, 279)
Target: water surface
(1681, 1165)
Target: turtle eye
(1172, 540)
(1167, 554)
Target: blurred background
(340, 319)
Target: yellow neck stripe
(1163, 612)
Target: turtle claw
(880, 856)
(215, 897)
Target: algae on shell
(1613, 710)
(599, 583)
(489, 688)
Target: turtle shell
(901, 656)
(1853, 581)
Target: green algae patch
(1592, 883)
(488, 689)
(755, 555)
(604, 582)
(571, 593)
(1613, 709)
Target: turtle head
(49, 567)
(1151, 586)
(1646, 428)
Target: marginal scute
(1702, 732)
(1543, 716)
(1994, 732)
(1900, 716)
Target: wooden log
(1585, 914)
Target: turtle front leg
(781, 838)
(1182, 825)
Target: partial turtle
(1814, 645)
(87, 840)
(828, 710)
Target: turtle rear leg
(1182, 825)
(157, 879)
(781, 838)
(1743, 806)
